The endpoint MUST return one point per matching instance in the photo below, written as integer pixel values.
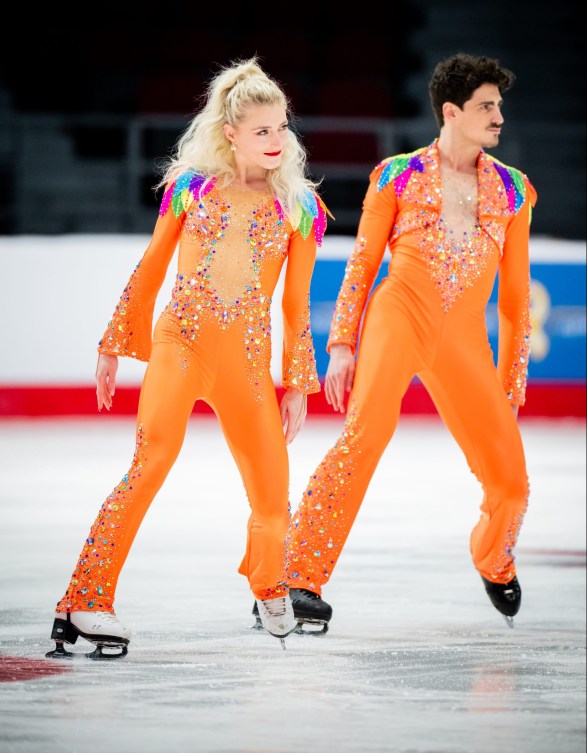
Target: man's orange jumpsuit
(427, 318)
(212, 342)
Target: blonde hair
(203, 146)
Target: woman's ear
(229, 132)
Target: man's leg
(388, 359)
(475, 409)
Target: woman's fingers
(106, 369)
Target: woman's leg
(167, 397)
(253, 431)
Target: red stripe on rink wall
(546, 399)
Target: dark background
(88, 110)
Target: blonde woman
(239, 203)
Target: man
(453, 217)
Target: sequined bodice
(232, 247)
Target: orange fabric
(427, 319)
(212, 342)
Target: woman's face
(260, 137)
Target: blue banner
(558, 299)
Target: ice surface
(416, 659)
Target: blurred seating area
(80, 142)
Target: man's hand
(106, 380)
(339, 376)
(293, 408)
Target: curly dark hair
(456, 78)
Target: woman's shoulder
(183, 189)
(310, 213)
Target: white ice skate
(103, 629)
(277, 616)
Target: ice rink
(416, 659)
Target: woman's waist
(191, 291)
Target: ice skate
(505, 597)
(311, 612)
(103, 629)
(277, 616)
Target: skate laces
(275, 607)
(107, 618)
(310, 594)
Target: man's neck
(456, 155)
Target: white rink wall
(58, 293)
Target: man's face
(480, 120)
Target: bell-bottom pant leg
(248, 412)
(464, 386)
(165, 404)
(389, 355)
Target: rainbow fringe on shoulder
(399, 170)
(188, 187)
(514, 183)
(310, 211)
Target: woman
(239, 203)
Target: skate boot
(309, 610)
(103, 629)
(277, 616)
(505, 597)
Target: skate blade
(311, 627)
(508, 620)
(98, 654)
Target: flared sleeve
(513, 302)
(375, 225)
(129, 331)
(299, 359)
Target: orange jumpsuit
(426, 318)
(212, 342)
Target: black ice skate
(311, 612)
(505, 597)
(103, 629)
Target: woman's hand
(106, 380)
(293, 408)
(339, 376)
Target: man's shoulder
(392, 168)
(501, 167)
(514, 181)
(400, 160)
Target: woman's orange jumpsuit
(427, 318)
(212, 342)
